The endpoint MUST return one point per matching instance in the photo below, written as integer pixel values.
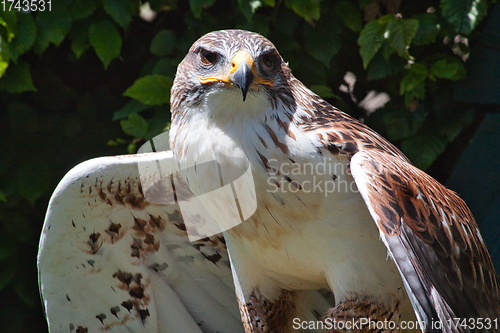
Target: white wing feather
(111, 261)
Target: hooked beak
(243, 78)
(242, 74)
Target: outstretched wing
(434, 240)
(109, 260)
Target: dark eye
(207, 57)
(268, 60)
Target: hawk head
(234, 67)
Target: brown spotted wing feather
(110, 260)
(433, 238)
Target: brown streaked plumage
(261, 315)
(392, 245)
(362, 315)
(428, 230)
(437, 231)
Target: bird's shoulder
(337, 131)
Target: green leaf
(416, 94)
(166, 66)
(17, 79)
(160, 123)
(198, 5)
(423, 148)
(416, 75)
(248, 7)
(444, 69)
(116, 142)
(379, 68)
(52, 27)
(150, 90)
(324, 91)
(9, 20)
(449, 68)
(370, 40)
(350, 15)
(81, 9)
(132, 106)
(452, 130)
(4, 55)
(386, 18)
(106, 40)
(401, 123)
(428, 29)
(163, 43)
(25, 37)
(323, 41)
(464, 15)
(308, 9)
(120, 10)
(400, 33)
(80, 38)
(33, 180)
(131, 148)
(462, 118)
(135, 125)
(269, 2)
(3, 197)
(387, 51)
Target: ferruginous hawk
(337, 208)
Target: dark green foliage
(17, 79)
(151, 90)
(106, 40)
(120, 10)
(163, 43)
(91, 78)
(464, 15)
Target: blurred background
(88, 78)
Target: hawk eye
(268, 60)
(207, 57)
